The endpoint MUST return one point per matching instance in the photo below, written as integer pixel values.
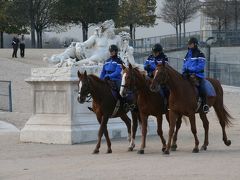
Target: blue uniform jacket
(112, 68)
(194, 63)
(152, 62)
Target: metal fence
(227, 74)
(5, 96)
(170, 42)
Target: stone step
(18, 119)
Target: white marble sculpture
(66, 56)
(126, 51)
(95, 49)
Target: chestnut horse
(183, 101)
(104, 104)
(149, 103)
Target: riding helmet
(113, 47)
(157, 48)
(193, 40)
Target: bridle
(86, 89)
(130, 88)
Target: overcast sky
(159, 29)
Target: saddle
(126, 102)
(203, 88)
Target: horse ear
(85, 73)
(123, 66)
(130, 66)
(79, 74)
(163, 63)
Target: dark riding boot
(165, 93)
(204, 103)
(203, 95)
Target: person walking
(22, 46)
(15, 42)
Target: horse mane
(171, 69)
(96, 78)
(142, 75)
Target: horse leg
(160, 132)
(222, 115)
(205, 122)
(194, 131)
(172, 119)
(105, 134)
(103, 127)
(178, 125)
(134, 126)
(127, 121)
(144, 133)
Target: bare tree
(178, 12)
(189, 9)
(219, 12)
(170, 13)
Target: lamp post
(208, 45)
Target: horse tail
(223, 115)
(220, 109)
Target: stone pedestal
(57, 116)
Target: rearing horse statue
(183, 101)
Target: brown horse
(104, 104)
(183, 101)
(149, 103)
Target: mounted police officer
(111, 72)
(193, 66)
(112, 67)
(153, 60)
(150, 65)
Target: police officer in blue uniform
(153, 60)
(111, 71)
(112, 67)
(193, 65)
(150, 65)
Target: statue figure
(126, 51)
(95, 49)
(69, 53)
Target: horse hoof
(203, 148)
(109, 151)
(166, 152)
(140, 151)
(174, 147)
(96, 151)
(163, 149)
(195, 150)
(228, 142)
(130, 149)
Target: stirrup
(129, 107)
(90, 109)
(205, 108)
(132, 107)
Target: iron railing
(227, 74)
(5, 96)
(171, 42)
